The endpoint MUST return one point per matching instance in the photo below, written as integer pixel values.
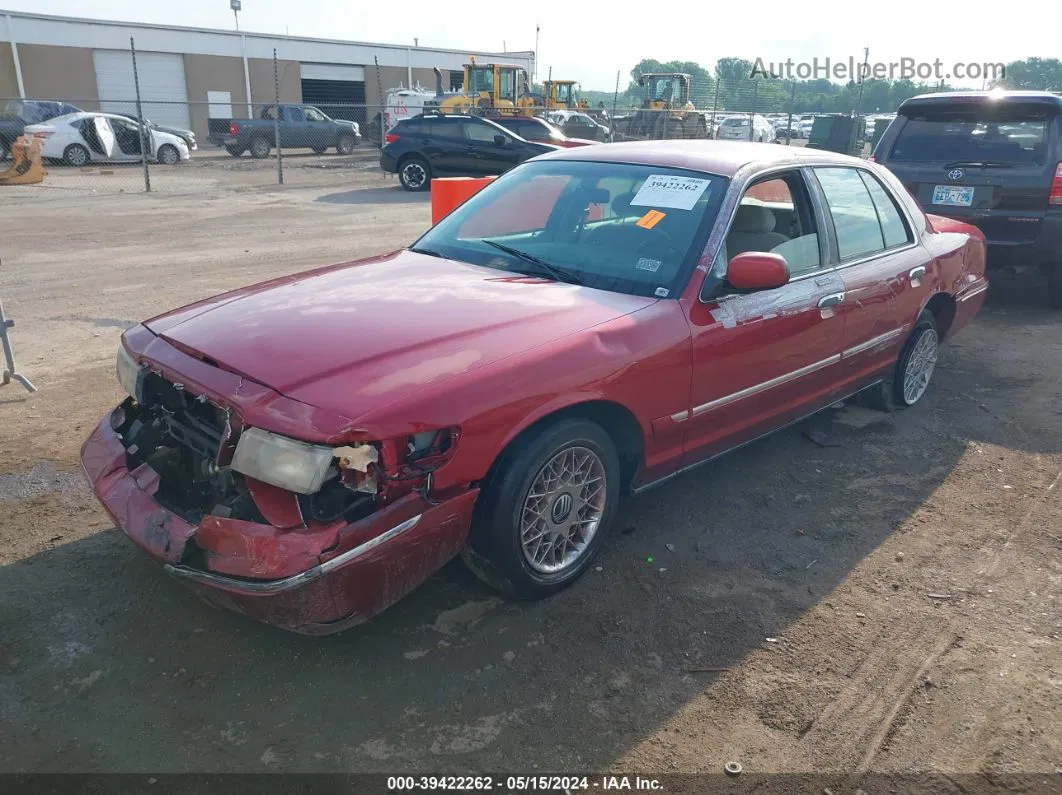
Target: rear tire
(546, 510)
(414, 173)
(76, 155)
(235, 151)
(260, 148)
(318, 150)
(909, 380)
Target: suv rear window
(978, 134)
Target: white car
(744, 128)
(80, 138)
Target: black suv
(993, 159)
(451, 145)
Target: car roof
(958, 98)
(724, 158)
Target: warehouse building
(188, 75)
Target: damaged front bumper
(309, 579)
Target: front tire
(546, 511)
(345, 145)
(76, 155)
(414, 174)
(168, 155)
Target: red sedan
(308, 450)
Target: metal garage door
(337, 89)
(163, 90)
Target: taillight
(390, 138)
(234, 129)
(871, 159)
(42, 134)
(1056, 187)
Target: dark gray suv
(992, 159)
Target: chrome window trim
(295, 580)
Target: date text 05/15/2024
(560, 784)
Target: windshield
(979, 135)
(613, 226)
(735, 122)
(481, 79)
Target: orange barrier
(449, 193)
(26, 168)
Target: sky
(580, 41)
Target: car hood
(352, 338)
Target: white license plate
(953, 195)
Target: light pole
(236, 6)
(534, 74)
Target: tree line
(729, 86)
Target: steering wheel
(659, 245)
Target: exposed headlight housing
(128, 371)
(287, 463)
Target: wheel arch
(614, 418)
(942, 306)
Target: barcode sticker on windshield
(662, 190)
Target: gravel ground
(889, 604)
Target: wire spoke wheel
(919, 369)
(563, 510)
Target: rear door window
(1014, 135)
(855, 218)
(893, 227)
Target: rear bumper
(1045, 249)
(376, 561)
(388, 163)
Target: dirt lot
(889, 604)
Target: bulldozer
(560, 95)
(666, 111)
(499, 87)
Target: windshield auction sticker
(662, 190)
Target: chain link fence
(157, 144)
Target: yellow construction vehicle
(560, 95)
(501, 87)
(667, 111)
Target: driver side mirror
(757, 270)
(499, 139)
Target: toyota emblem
(956, 173)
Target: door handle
(831, 300)
(917, 273)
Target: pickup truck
(301, 127)
(20, 112)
